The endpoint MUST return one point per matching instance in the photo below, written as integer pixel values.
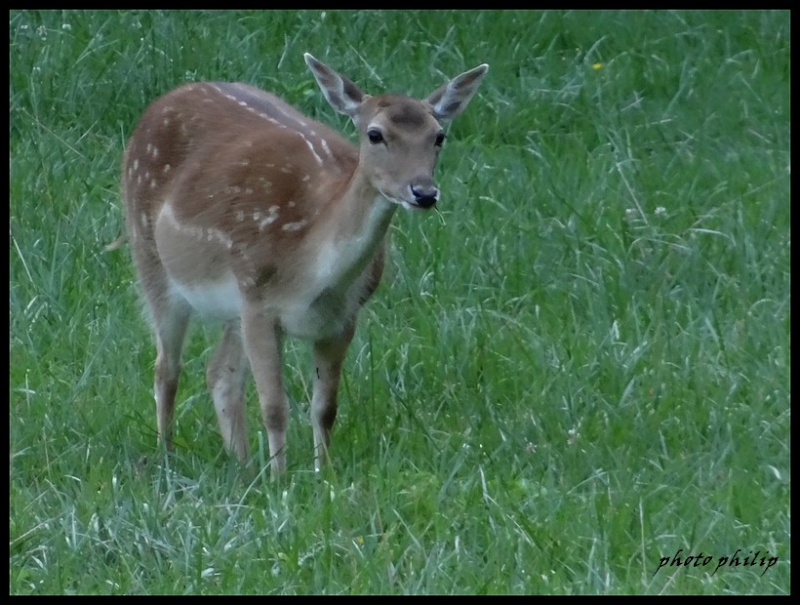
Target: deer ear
(452, 98)
(344, 96)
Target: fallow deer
(239, 207)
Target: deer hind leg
(328, 359)
(170, 315)
(261, 337)
(170, 332)
(227, 378)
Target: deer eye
(374, 135)
(439, 139)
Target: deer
(242, 210)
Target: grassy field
(579, 365)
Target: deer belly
(219, 299)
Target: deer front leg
(328, 358)
(227, 378)
(261, 335)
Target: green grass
(578, 366)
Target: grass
(578, 366)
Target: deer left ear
(452, 98)
(344, 96)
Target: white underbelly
(306, 318)
(218, 299)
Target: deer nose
(425, 195)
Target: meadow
(577, 367)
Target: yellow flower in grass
(597, 66)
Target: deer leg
(328, 358)
(170, 317)
(170, 332)
(261, 336)
(227, 378)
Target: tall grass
(578, 366)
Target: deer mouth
(416, 206)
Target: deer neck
(352, 232)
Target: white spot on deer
(138, 179)
(167, 109)
(291, 204)
(231, 97)
(166, 121)
(240, 215)
(266, 222)
(167, 168)
(295, 226)
(248, 191)
(269, 119)
(244, 162)
(144, 220)
(311, 147)
(271, 218)
(266, 186)
(242, 103)
(146, 175)
(155, 152)
(136, 164)
(222, 238)
(153, 184)
(327, 149)
(307, 178)
(286, 168)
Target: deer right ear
(344, 96)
